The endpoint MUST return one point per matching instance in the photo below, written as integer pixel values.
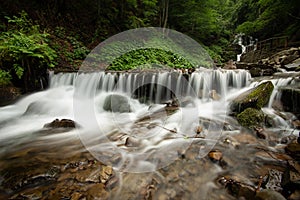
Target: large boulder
(117, 103)
(256, 98)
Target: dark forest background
(60, 33)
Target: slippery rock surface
(253, 98)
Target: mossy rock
(251, 117)
(256, 98)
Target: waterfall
(157, 87)
(278, 83)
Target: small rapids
(172, 116)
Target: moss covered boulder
(256, 98)
(251, 117)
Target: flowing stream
(148, 138)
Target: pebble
(215, 155)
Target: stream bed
(74, 141)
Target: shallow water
(155, 151)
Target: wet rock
(117, 103)
(288, 59)
(293, 149)
(91, 175)
(291, 178)
(251, 117)
(260, 133)
(76, 196)
(293, 66)
(214, 95)
(238, 189)
(256, 72)
(199, 129)
(37, 108)
(230, 65)
(132, 142)
(244, 138)
(268, 195)
(295, 195)
(296, 124)
(8, 94)
(272, 180)
(63, 123)
(253, 98)
(105, 174)
(215, 155)
(97, 191)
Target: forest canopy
(61, 33)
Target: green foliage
(147, 58)
(5, 77)
(266, 18)
(71, 51)
(23, 48)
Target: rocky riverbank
(285, 60)
(261, 168)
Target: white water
(81, 97)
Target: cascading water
(145, 139)
(201, 82)
(58, 100)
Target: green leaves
(266, 18)
(19, 70)
(24, 46)
(147, 58)
(5, 77)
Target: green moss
(257, 98)
(250, 117)
(262, 93)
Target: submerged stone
(251, 117)
(256, 98)
(117, 103)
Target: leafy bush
(24, 51)
(147, 57)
